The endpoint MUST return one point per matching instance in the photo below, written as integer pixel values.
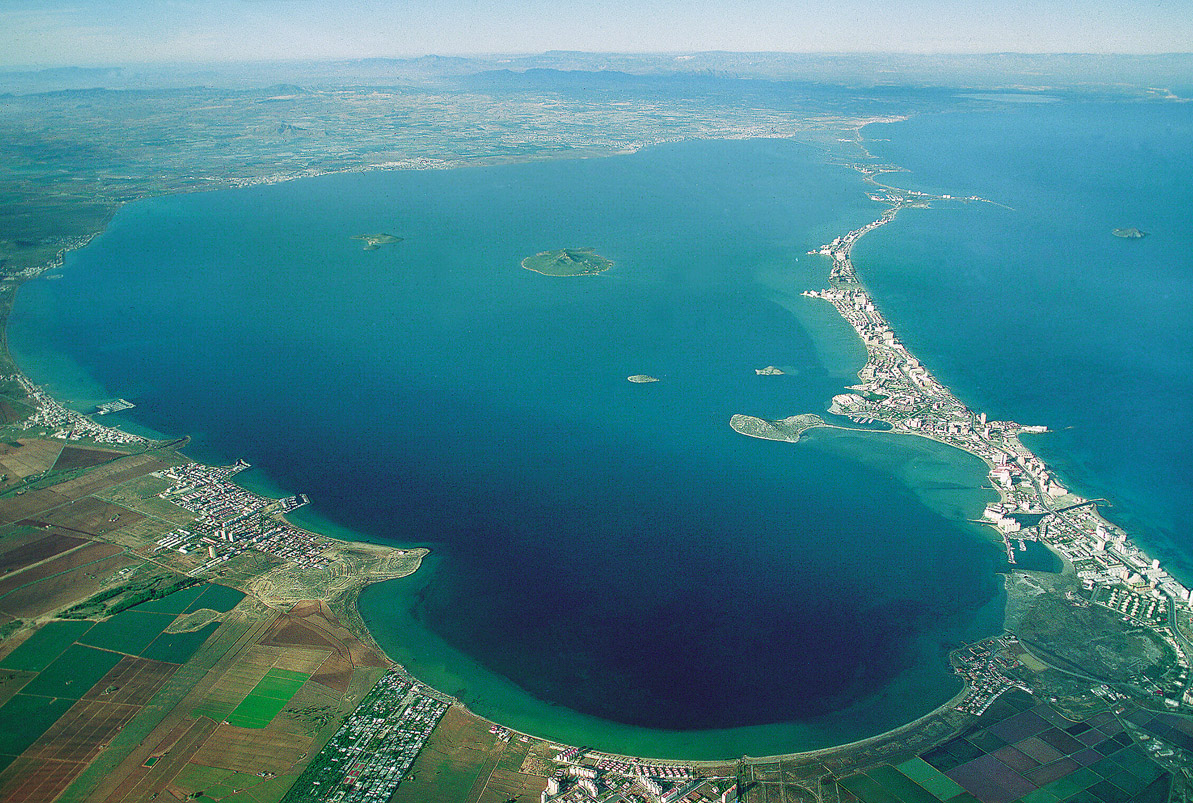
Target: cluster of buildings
(231, 519)
(64, 423)
(370, 754)
(584, 784)
(894, 388)
(985, 666)
(588, 777)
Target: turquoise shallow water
(613, 565)
(1038, 313)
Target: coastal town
(59, 421)
(231, 520)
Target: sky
(98, 32)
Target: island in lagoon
(1130, 233)
(568, 262)
(374, 241)
(769, 370)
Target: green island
(568, 262)
(1130, 233)
(375, 241)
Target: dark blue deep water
(612, 564)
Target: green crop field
(217, 598)
(73, 673)
(40, 649)
(130, 631)
(267, 698)
(900, 785)
(24, 718)
(867, 790)
(930, 778)
(177, 648)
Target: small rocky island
(568, 262)
(641, 378)
(374, 241)
(769, 370)
(1131, 233)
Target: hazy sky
(43, 32)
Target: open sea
(612, 565)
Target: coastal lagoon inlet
(612, 564)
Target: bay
(612, 564)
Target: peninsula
(568, 262)
(1109, 588)
(785, 429)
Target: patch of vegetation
(1091, 641)
(8, 628)
(119, 598)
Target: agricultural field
(41, 648)
(122, 678)
(129, 632)
(463, 760)
(267, 698)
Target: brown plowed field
(63, 751)
(58, 565)
(82, 731)
(28, 457)
(63, 590)
(145, 783)
(78, 457)
(133, 681)
(35, 551)
(16, 508)
(94, 516)
(252, 751)
(32, 781)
